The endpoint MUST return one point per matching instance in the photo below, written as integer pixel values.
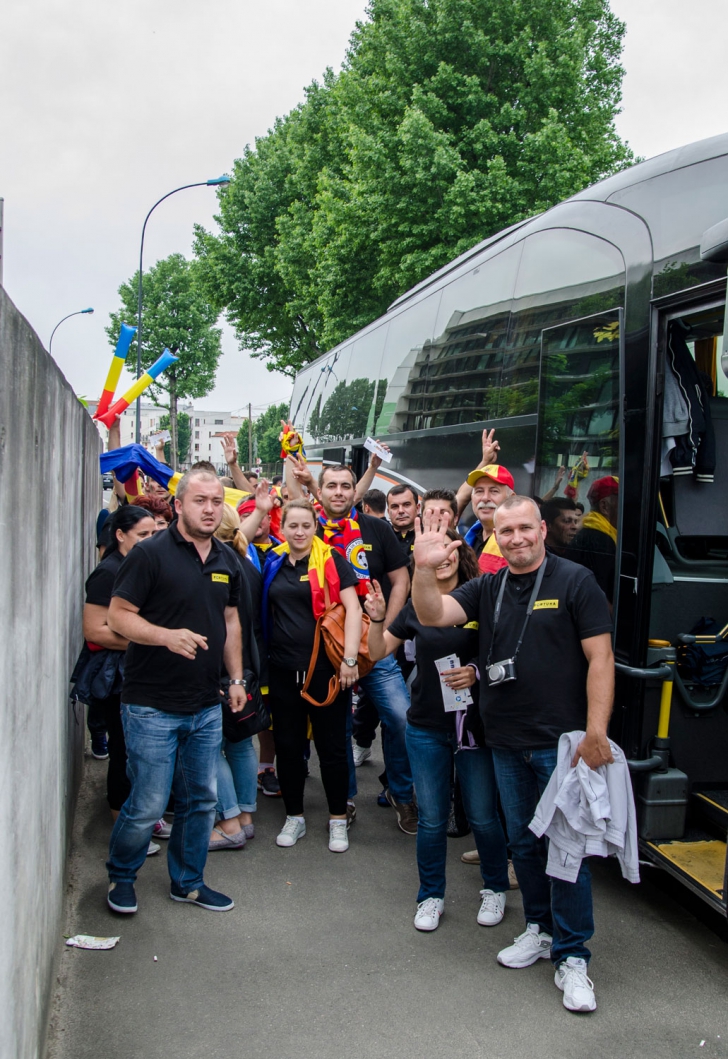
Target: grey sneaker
(578, 989)
(406, 814)
(293, 829)
(534, 944)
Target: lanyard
(529, 610)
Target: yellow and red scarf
(596, 521)
(322, 572)
(344, 534)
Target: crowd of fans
(484, 645)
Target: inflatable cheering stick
(117, 363)
(165, 361)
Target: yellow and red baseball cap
(494, 471)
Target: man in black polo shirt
(551, 642)
(402, 501)
(372, 550)
(176, 602)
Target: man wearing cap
(491, 485)
(595, 545)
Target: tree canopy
(450, 120)
(266, 430)
(178, 315)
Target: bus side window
(579, 432)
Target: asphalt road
(319, 959)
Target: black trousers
(290, 725)
(118, 787)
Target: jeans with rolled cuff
(237, 779)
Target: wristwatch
(240, 682)
(351, 662)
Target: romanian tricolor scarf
(596, 521)
(490, 560)
(321, 569)
(344, 535)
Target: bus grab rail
(664, 672)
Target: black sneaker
(122, 898)
(204, 897)
(268, 783)
(99, 746)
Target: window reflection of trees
(348, 411)
(580, 397)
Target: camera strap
(529, 610)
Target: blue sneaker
(99, 746)
(122, 898)
(382, 799)
(204, 897)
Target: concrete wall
(50, 493)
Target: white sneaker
(578, 989)
(361, 754)
(338, 837)
(293, 829)
(427, 916)
(153, 848)
(528, 947)
(492, 908)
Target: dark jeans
(562, 909)
(118, 787)
(290, 723)
(431, 754)
(166, 749)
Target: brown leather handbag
(330, 629)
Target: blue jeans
(386, 688)
(237, 779)
(432, 752)
(562, 909)
(168, 751)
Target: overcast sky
(106, 107)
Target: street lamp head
(219, 181)
(87, 310)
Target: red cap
(603, 487)
(246, 507)
(494, 471)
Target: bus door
(683, 802)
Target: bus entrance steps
(712, 805)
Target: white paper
(88, 941)
(452, 700)
(162, 435)
(373, 446)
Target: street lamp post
(221, 181)
(79, 312)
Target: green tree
(266, 430)
(178, 315)
(450, 120)
(184, 436)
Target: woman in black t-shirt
(126, 527)
(438, 736)
(292, 599)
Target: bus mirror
(714, 242)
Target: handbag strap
(334, 681)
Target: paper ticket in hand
(452, 700)
(163, 435)
(373, 446)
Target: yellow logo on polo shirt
(474, 624)
(223, 578)
(304, 577)
(546, 604)
(367, 547)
